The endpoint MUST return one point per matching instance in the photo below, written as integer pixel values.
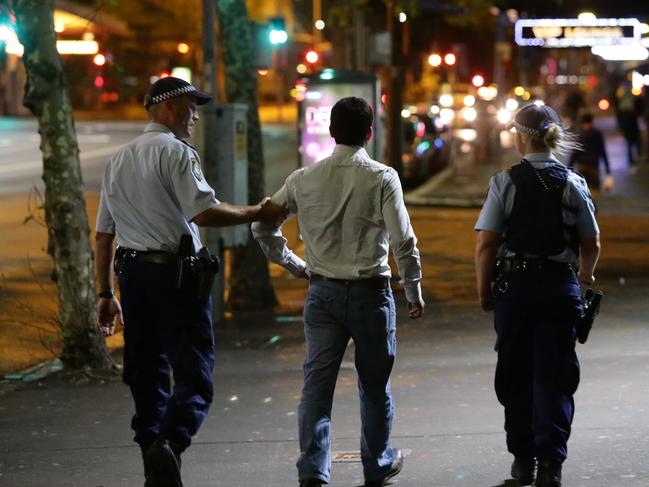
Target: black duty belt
(155, 256)
(515, 264)
(370, 282)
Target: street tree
(46, 96)
(251, 287)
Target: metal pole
(212, 235)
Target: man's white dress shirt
(350, 211)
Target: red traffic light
(312, 56)
(477, 80)
(99, 82)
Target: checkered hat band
(172, 94)
(527, 130)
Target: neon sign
(577, 33)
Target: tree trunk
(251, 287)
(46, 96)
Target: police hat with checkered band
(170, 87)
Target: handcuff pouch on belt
(196, 272)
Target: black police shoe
(311, 483)
(548, 475)
(523, 471)
(162, 465)
(395, 468)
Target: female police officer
(536, 228)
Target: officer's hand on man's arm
(416, 310)
(271, 213)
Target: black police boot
(162, 465)
(523, 470)
(395, 468)
(548, 475)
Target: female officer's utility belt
(518, 264)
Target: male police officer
(153, 192)
(351, 211)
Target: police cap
(170, 87)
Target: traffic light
(277, 30)
(477, 80)
(99, 82)
(312, 56)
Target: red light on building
(477, 80)
(165, 74)
(99, 82)
(604, 104)
(384, 99)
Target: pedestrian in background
(536, 228)
(351, 212)
(153, 192)
(627, 111)
(586, 158)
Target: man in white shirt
(350, 210)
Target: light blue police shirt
(500, 201)
(151, 190)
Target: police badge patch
(196, 169)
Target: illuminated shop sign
(577, 33)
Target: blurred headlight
(504, 116)
(469, 114)
(469, 100)
(446, 115)
(446, 100)
(511, 105)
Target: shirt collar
(348, 150)
(541, 157)
(157, 127)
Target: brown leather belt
(370, 282)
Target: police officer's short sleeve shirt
(500, 201)
(151, 191)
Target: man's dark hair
(351, 119)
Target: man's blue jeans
(334, 313)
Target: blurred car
(426, 149)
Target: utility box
(231, 179)
(317, 94)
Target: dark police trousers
(537, 371)
(165, 329)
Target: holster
(196, 272)
(590, 310)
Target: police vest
(535, 225)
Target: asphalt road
(21, 163)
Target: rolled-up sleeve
(403, 241)
(194, 194)
(272, 241)
(492, 216)
(105, 222)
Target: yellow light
(469, 100)
(405, 113)
(434, 60)
(182, 47)
(262, 72)
(504, 116)
(99, 59)
(586, 17)
(77, 47)
(319, 24)
(59, 26)
(636, 91)
(434, 109)
(644, 28)
(519, 91)
(527, 95)
(402, 17)
(300, 68)
(469, 114)
(312, 57)
(446, 115)
(450, 59)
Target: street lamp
(434, 60)
(450, 59)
